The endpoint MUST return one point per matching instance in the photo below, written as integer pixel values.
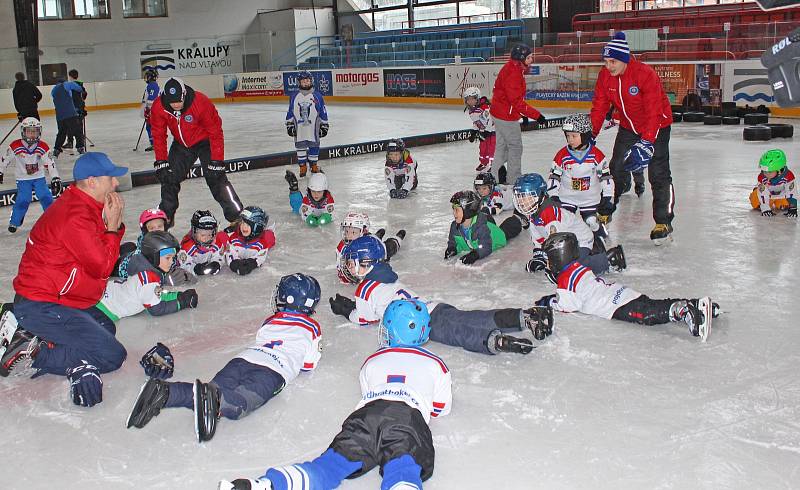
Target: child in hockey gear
(307, 122)
(580, 178)
(546, 217)
(295, 196)
(484, 331)
(403, 386)
(203, 249)
(400, 169)
(495, 198)
(579, 290)
(482, 127)
(317, 207)
(123, 298)
(355, 225)
(474, 232)
(32, 157)
(250, 243)
(775, 190)
(256, 374)
(151, 92)
(152, 219)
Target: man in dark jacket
(67, 116)
(197, 131)
(26, 98)
(68, 258)
(79, 101)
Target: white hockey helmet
(33, 124)
(577, 123)
(355, 220)
(472, 92)
(318, 182)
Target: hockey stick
(91, 143)
(135, 148)
(9, 133)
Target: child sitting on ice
(495, 198)
(316, 208)
(355, 225)
(775, 189)
(250, 242)
(203, 249)
(400, 169)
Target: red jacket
(639, 99)
(508, 96)
(198, 121)
(69, 254)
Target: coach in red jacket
(645, 119)
(68, 258)
(508, 106)
(197, 133)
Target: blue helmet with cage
(296, 292)
(305, 75)
(256, 219)
(366, 250)
(529, 192)
(406, 322)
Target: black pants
(181, 159)
(645, 311)
(67, 128)
(30, 113)
(381, 431)
(511, 227)
(658, 172)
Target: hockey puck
(756, 118)
(677, 117)
(732, 120)
(712, 120)
(781, 130)
(757, 133)
(693, 116)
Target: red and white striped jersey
(412, 375)
(258, 248)
(311, 208)
(480, 116)
(580, 180)
(287, 343)
(31, 161)
(372, 298)
(579, 290)
(193, 253)
(779, 187)
(553, 219)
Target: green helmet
(773, 161)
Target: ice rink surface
(599, 404)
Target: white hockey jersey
(782, 186)
(258, 248)
(553, 219)
(412, 375)
(406, 171)
(192, 253)
(372, 298)
(287, 343)
(307, 110)
(480, 116)
(31, 161)
(579, 290)
(580, 178)
(128, 297)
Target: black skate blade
(143, 410)
(206, 409)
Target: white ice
(600, 404)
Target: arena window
(144, 8)
(72, 9)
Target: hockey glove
(541, 119)
(393, 193)
(178, 277)
(482, 135)
(768, 213)
(450, 252)
(402, 193)
(243, 266)
(473, 133)
(1, 177)
(538, 262)
(291, 128)
(546, 300)
(470, 258)
(187, 299)
(85, 385)
(791, 212)
(56, 186)
(207, 269)
(606, 206)
(323, 129)
(163, 172)
(158, 361)
(639, 156)
(525, 122)
(342, 306)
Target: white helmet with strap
(31, 123)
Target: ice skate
(616, 259)
(149, 148)
(315, 168)
(152, 398)
(638, 188)
(696, 313)
(483, 167)
(303, 170)
(22, 347)
(514, 345)
(380, 233)
(539, 319)
(245, 484)
(401, 234)
(206, 410)
(661, 233)
(8, 327)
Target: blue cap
(96, 164)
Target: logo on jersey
(273, 344)
(581, 183)
(188, 118)
(634, 90)
(396, 378)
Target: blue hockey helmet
(366, 250)
(529, 192)
(296, 292)
(305, 75)
(520, 52)
(406, 322)
(256, 219)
